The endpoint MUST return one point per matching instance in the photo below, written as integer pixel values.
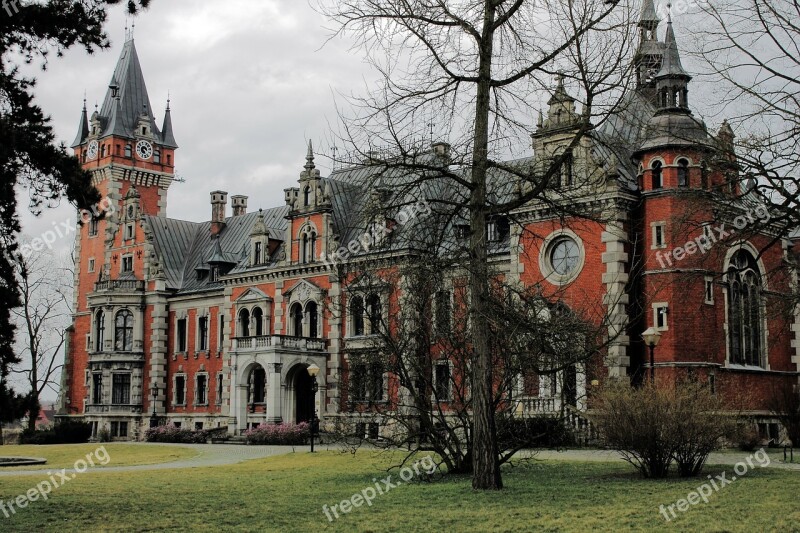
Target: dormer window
(257, 254)
(144, 130)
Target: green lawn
(286, 493)
(64, 455)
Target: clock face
(91, 152)
(144, 150)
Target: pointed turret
(127, 97)
(83, 127)
(561, 113)
(671, 65)
(167, 136)
(649, 54)
(672, 81)
(649, 19)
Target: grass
(286, 493)
(64, 455)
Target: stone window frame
(545, 253)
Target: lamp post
(651, 337)
(313, 370)
(154, 416)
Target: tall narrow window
(257, 320)
(97, 388)
(655, 170)
(358, 382)
(220, 387)
(201, 393)
(180, 390)
(121, 389)
(312, 248)
(443, 313)
(313, 319)
(566, 170)
(100, 329)
(357, 315)
(93, 223)
(374, 312)
(244, 323)
(123, 331)
(202, 331)
(181, 333)
(376, 383)
(683, 173)
(128, 151)
(307, 196)
(703, 175)
(442, 380)
(221, 339)
(257, 254)
(258, 380)
(304, 249)
(297, 320)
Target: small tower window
(307, 196)
(157, 156)
(683, 173)
(128, 150)
(257, 254)
(655, 169)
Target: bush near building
(655, 426)
(65, 432)
(279, 434)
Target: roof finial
(168, 99)
(669, 13)
(310, 157)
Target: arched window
(313, 319)
(566, 170)
(312, 248)
(304, 249)
(257, 383)
(655, 170)
(745, 318)
(357, 315)
(100, 329)
(307, 196)
(244, 323)
(296, 314)
(258, 321)
(123, 331)
(374, 313)
(128, 151)
(683, 173)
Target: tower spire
(83, 126)
(310, 158)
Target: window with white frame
(201, 389)
(709, 290)
(659, 234)
(660, 311)
(121, 389)
(202, 333)
(91, 265)
(442, 381)
(179, 390)
(127, 263)
(181, 333)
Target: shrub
(175, 435)
(279, 434)
(104, 435)
(64, 432)
(747, 438)
(654, 426)
(534, 432)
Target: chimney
(239, 204)
(219, 200)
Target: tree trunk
(33, 410)
(485, 460)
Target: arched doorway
(303, 397)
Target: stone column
(274, 393)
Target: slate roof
(185, 247)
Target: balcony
(116, 357)
(129, 285)
(540, 405)
(118, 408)
(264, 343)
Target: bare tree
(752, 50)
(45, 291)
(479, 67)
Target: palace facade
(215, 323)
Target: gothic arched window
(655, 169)
(244, 323)
(745, 317)
(683, 173)
(123, 331)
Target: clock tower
(117, 285)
